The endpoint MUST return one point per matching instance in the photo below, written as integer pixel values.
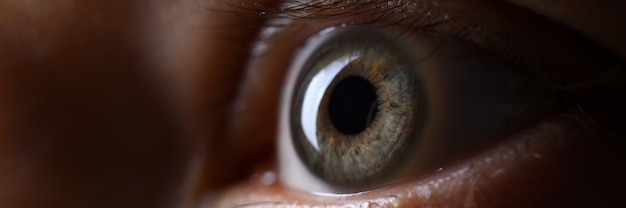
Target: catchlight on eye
(364, 108)
(356, 108)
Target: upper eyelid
(539, 49)
(268, 59)
(272, 17)
(276, 26)
(415, 16)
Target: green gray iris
(375, 93)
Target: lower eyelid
(534, 161)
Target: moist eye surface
(357, 109)
(364, 108)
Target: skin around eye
(276, 194)
(154, 103)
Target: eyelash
(273, 19)
(416, 18)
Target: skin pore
(168, 104)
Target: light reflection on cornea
(314, 94)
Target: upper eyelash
(415, 16)
(312, 9)
(273, 17)
(270, 20)
(291, 11)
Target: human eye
(502, 114)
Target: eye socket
(498, 175)
(429, 111)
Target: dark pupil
(352, 105)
